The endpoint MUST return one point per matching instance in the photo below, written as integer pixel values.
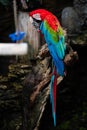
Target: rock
(80, 40)
(3, 87)
(11, 96)
(70, 20)
(81, 8)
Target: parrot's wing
(57, 61)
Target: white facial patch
(37, 16)
(31, 19)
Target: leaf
(5, 2)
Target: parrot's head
(36, 21)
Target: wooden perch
(38, 88)
(44, 102)
(41, 85)
(37, 98)
(10, 49)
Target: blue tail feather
(54, 117)
(52, 99)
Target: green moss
(82, 128)
(65, 125)
(17, 86)
(15, 124)
(75, 117)
(84, 114)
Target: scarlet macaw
(54, 36)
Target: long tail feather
(53, 95)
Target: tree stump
(36, 86)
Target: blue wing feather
(59, 47)
(57, 61)
(55, 50)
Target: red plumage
(42, 12)
(48, 16)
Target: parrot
(53, 33)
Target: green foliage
(65, 125)
(82, 128)
(5, 2)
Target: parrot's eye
(36, 20)
(36, 23)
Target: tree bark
(37, 87)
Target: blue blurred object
(17, 36)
